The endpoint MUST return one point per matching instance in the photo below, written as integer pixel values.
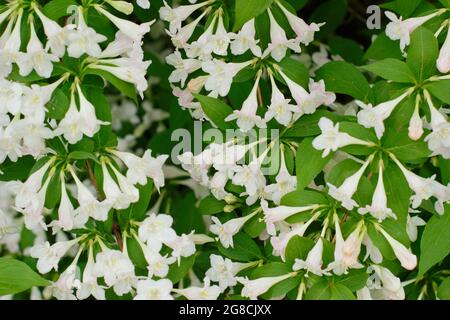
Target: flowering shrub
(224, 149)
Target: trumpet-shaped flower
(348, 188)
(373, 117)
(379, 209)
(331, 139)
(245, 40)
(247, 117)
(254, 288)
(226, 231)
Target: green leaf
(186, 215)
(178, 272)
(82, 155)
(57, 9)
(301, 198)
(391, 69)
(383, 48)
(309, 163)
(16, 276)
(294, 70)
(355, 279)
(210, 205)
(422, 54)
(321, 290)
(341, 292)
(332, 12)
(246, 10)
(348, 49)
(435, 242)
(135, 253)
(342, 77)
(440, 89)
(18, 170)
(58, 105)
(244, 249)
(275, 269)
(397, 192)
(406, 7)
(308, 124)
(298, 248)
(124, 87)
(216, 110)
(444, 290)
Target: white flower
(279, 42)
(407, 259)
(379, 209)
(11, 96)
(411, 226)
(122, 6)
(33, 206)
(250, 176)
(57, 37)
(331, 139)
(183, 67)
(280, 213)
(371, 250)
(220, 40)
(439, 139)
(144, 4)
(415, 128)
(156, 230)
(245, 40)
(221, 75)
(254, 288)
(62, 289)
(313, 262)
(66, 211)
(182, 246)
(36, 57)
(443, 61)
(305, 32)
(154, 290)
(348, 188)
(285, 183)
(373, 117)
(229, 229)
(207, 292)
(122, 195)
(84, 39)
(399, 29)
(175, 16)
(89, 285)
(346, 252)
(127, 69)
(180, 39)
(202, 48)
(280, 107)
(281, 242)
(89, 205)
(197, 166)
(224, 271)
(10, 142)
(49, 256)
(384, 285)
(217, 185)
(131, 29)
(71, 125)
(114, 266)
(425, 188)
(246, 117)
(11, 41)
(141, 168)
(158, 265)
